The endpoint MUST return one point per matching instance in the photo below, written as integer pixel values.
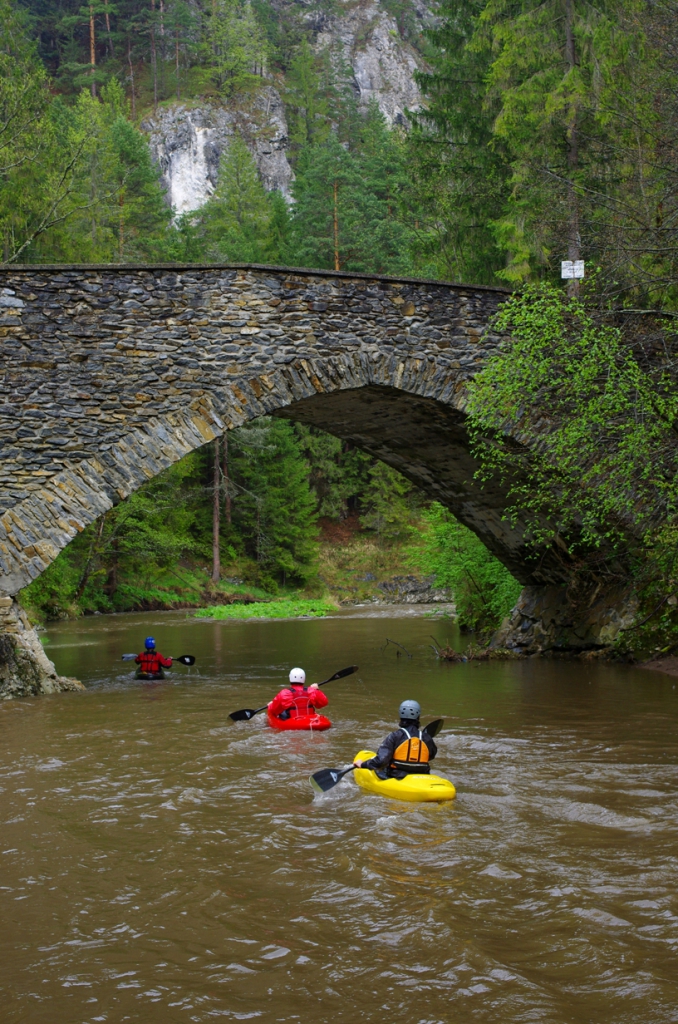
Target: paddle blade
(246, 713)
(186, 659)
(327, 778)
(128, 657)
(340, 675)
(434, 727)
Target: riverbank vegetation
(549, 131)
(279, 608)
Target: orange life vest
(412, 755)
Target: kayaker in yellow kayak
(408, 750)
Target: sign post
(572, 270)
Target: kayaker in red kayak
(296, 700)
(408, 750)
(151, 662)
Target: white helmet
(297, 675)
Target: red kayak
(314, 723)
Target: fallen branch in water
(446, 653)
(396, 644)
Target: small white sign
(571, 268)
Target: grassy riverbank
(282, 608)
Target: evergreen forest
(548, 131)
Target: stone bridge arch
(111, 374)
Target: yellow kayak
(414, 788)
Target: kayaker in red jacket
(296, 699)
(151, 662)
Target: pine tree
(306, 105)
(346, 215)
(237, 45)
(459, 174)
(273, 505)
(235, 223)
(388, 508)
(117, 208)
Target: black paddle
(247, 713)
(185, 659)
(327, 778)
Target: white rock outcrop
(383, 63)
(188, 139)
(187, 142)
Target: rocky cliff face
(25, 669)
(187, 140)
(383, 63)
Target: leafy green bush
(598, 458)
(484, 590)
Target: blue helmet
(149, 643)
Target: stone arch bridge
(112, 373)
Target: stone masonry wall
(111, 374)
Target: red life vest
(295, 701)
(302, 702)
(151, 663)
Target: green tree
(237, 45)
(273, 506)
(388, 506)
(345, 215)
(597, 463)
(236, 221)
(116, 207)
(304, 100)
(338, 473)
(484, 590)
(42, 149)
(125, 558)
(459, 174)
(550, 63)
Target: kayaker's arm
(318, 698)
(282, 701)
(384, 755)
(430, 743)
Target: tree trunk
(121, 225)
(87, 570)
(337, 264)
(216, 516)
(92, 51)
(131, 76)
(176, 41)
(108, 27)
(154, 62)
(163, 54)
(574, 238)
(227, 492)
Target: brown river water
(160, 865)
